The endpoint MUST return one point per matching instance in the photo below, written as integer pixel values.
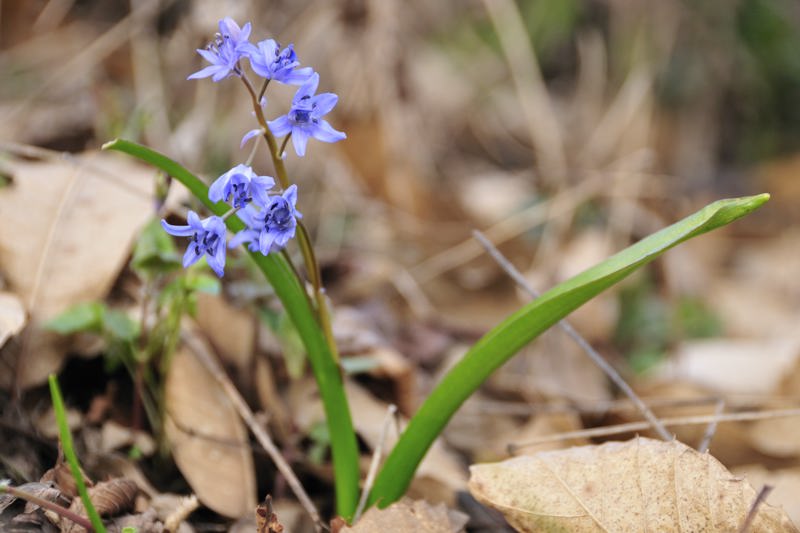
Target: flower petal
(265, 240)
(246, 235)
(300, 140)
(191, 256)
(307, 89)
(298, 76)
(216, 193)
(178, 231)
(280, 126)
(324, 103)
(325, 132)
(249, 135)
(204, 73)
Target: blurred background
(563, 129)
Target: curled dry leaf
(110, 498)
(641, 484)
(12, 316)
(409, 516)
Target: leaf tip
(109, 145)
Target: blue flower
(208, 238)
(229, 45)
(240, 185)
(304, 119)
(272, 63)
(269, 229)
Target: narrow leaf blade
(506, 339)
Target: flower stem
(312, 265)
(283, 144)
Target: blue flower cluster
(270, 218)
(266, 58)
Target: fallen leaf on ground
(79, 216)
(621, 486)
(12, 316)
(734, 366)
(208, 439)
(232, 331)
(408, 516)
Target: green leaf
(154, 253)
(69, 453)
(292, 294)
(87, 316)
(120, 326)
(502, 342)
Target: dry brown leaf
(408, 516)
(110, 498)
(641, 484)
(208, 439)
(87, 212)
(232, 331)
(12, 316)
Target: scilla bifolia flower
(208, 238)
(269, 229)
(239, 186)
(270, 62)
(304, 119)
(229, 46)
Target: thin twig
(598, 359)
(376, 459)
(751, 514)
(746, 416)
(712, 427)
(47, 504)
(205, 356)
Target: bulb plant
(261, 212)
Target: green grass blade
(502, 342)
(69, 453)
(278, 272)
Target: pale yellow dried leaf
(208, 439)
(409, 516)
(12, 316)
(638, 485)
(68, 225)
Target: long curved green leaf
(502, 342)
(344, 446)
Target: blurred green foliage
(649, 323)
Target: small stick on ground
(712, 427)
(376, 459)
(205, 356)
(574, 335)
(47, 504)
(751, 514)
(746, 416)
